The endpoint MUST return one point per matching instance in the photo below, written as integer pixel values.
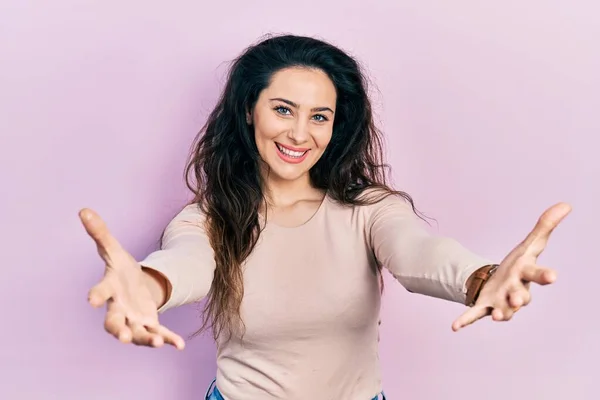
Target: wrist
(476, 282)
(158, 286)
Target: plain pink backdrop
(491, 110)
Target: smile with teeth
(290, 153)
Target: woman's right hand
(131, 303)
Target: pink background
(491, 110)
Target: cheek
(322, 139)
(262, 143)
(267, 128)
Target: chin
(286, 173)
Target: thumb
(95, 227)
(537, 239)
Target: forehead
(304, 86)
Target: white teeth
(291, 153)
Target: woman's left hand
(507, 290)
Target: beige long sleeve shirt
(312, 295)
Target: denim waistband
(212, 393)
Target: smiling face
(293, 121)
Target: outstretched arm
(423, 263)
(182, 270)
(441, 267)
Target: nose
(299, 132)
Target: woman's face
(293, 121)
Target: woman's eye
(286, 111)
(282, 110)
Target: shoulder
(376, 200)
(192, 210)
(375, 204)
(190, 215)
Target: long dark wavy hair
(224, 166)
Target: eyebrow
(291, 103)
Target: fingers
(115, 324)
(516, 297)
(168, 336)
(501, 315)
(101, 293)
(155, 336)
(133, 331)
(537, 239)
(97, 229)
(537, 274)
(518, 294)
(506, 308)
(502, 308)
(471, 315)
(143, 337)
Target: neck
(281, 192)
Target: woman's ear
(248, 118)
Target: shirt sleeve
(185, 259)
(423, 263)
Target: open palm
(131, 308)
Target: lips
(292, 152)
(292, 155)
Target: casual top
(312, 295)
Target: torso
(311, 310)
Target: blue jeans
(213, 393)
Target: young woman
(286, 238)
